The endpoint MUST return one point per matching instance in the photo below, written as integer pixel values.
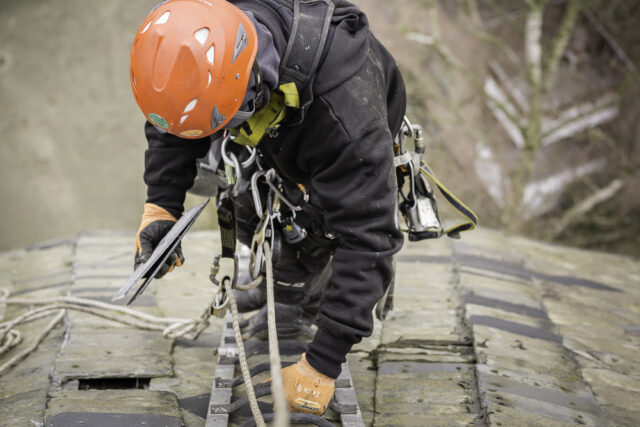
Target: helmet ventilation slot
(191, 105)
(202, 35)
(164, 18)
(210, 54)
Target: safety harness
(298, 66)
(299, 63)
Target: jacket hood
(347, 49)
(347, 43)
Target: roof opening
(113, 383)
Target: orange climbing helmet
(190, 65)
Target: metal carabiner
(409, 131)
(257, 253)
(223, 150)
(237, 169)
(271, 174)
(255, 192)
(227, 268)
(253, 153)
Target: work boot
(252, 299)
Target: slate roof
(493, 329)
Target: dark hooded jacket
(339, 145)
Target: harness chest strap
(268, 119)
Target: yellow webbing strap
(472, 218)
(269, 118)
(291, 96)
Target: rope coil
(10, 337)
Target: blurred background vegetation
(530, 109)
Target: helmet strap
(257, 76)
(257, 102)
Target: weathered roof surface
(492, 329)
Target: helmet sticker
(191, 133)
(158, 121)
(241, 42)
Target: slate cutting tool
(164, 249)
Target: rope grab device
(418, 205)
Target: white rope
(170, 327)
(9, 337)
(277, 388)
(12, 339)
(27, 351)
(251, 285)
(242, 357)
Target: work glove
(156, 222)
(307, 390)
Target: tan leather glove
(307, 390)
(156, 222)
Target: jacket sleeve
(357, 189)
(170, 167)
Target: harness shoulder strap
(309, 31)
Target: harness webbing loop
(472, 218)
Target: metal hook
(252, 157)
(257, 203)
(271, 174)
(223, 151)
(409, 128)
(252, 153)
(237, 172)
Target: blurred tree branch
(584, 207)
(541, 71)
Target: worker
(332, 99)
